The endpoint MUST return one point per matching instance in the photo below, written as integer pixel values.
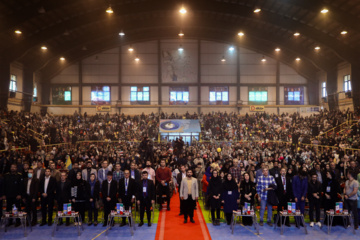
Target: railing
(336, 129)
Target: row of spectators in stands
(15, 128)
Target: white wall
(69, 75)
(143, 71)
(213, 70)
(103, 68)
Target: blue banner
(182, 126)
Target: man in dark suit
(47, 189)
(13, 186)
(284, 192)
(39, 171)
(109, 191)
(134, 173)
(30, 196)
(145, 197)
(127, 192)
(179, 177)
(63, 194)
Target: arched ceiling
(66, 26)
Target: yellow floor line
(98, 235)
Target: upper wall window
(293, 95)
(323, 90)
(347, 83)
(258, 95)
(13, 81)
(179, 95)
(219, 95)
(61, 95)
(100, 95)
(140, 95)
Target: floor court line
(162, 225)
(202, 224)
(99, 234)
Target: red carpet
(171, 226)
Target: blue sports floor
(248, 232)
(70, 232)
(217, 232)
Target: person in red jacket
(163, 177)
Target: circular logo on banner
(252, 108)
(169, 125)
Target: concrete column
(4, 83)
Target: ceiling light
(18, 32)
(277, 49)
(223, 59)
(240, 34)
(257, 10)
(181, 34)
(180, 48)
(137, 59)
(231, 48)
(43, 47)
(121, 33)
(109, 10)
(182, 10)
(62, 59)
(130, 49)
(296, 34)
(324, 10)
(344, 32)
(317, 48)
(263, 59)
(298, 59)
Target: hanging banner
(103, 108)
(255, 108)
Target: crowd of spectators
(246, 162)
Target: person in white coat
(189, 192)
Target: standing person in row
(146, 197)
(79, 196)
(102, 173)
(93, 191)
(163, 177)
(262, 189)
(47, 192)
(230, 196)
(150, 170)
(300, 187)
(214, 191)
(30, 196)
(127, 192)
(63, 194)
(109, 191)
(284, 193)
(314, 197)
(13, 185)
(134, 173)
(350, 196)
(189, 193)
(331, 189)
(247, 195)
(88, 171)
(180, 176)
